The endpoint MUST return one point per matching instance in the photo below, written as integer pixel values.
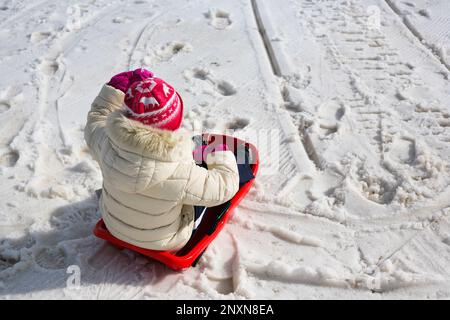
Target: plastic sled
(211, 225)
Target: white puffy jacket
(150, 180)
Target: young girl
(150, 179)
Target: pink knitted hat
(154, 102)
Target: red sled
(213, 222)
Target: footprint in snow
(424, 13)
(402, 150)
(4, 106)
(446, 241)
(219, 19)
(119, 20)
(201, 74)
(38, 36)
(9, 97)
(9, 158)
(73, 217)
(51, 258)
(330, 113)
(48, 67)
(167, 52)
(223, 87)
(7, 262)
(238, 124)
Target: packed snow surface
(348, 102)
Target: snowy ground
(353, 204)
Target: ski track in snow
(353, 204)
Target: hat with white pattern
(154, 102)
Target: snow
(348, 102)
(429, 21)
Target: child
(150, 179)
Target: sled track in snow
(307, 146)
(143, 31)
(136, 42)
(267, 44)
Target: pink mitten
(123, 81)
(214, 148)
(202, 151)
(220, 147)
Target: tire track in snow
(413, 30)
(371, 78)
(366, 74)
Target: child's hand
(220, 147)
(202, 151)
(124, 80)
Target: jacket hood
(135, 137)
